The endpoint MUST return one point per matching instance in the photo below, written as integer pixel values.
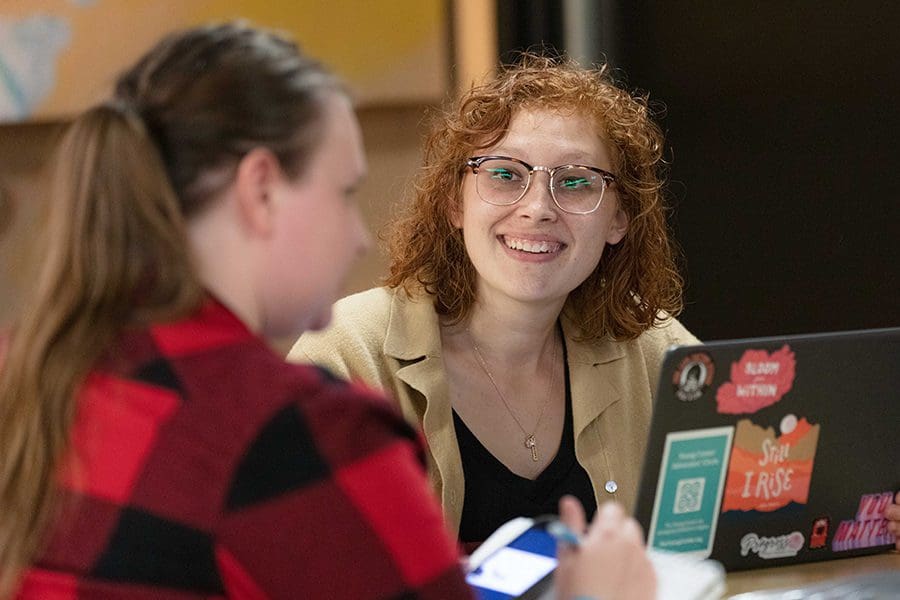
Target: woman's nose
(537, 203)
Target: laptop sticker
(869, 528)
(759, 379)
(693, 375)
(689, 490)
(819, 533)
(775, 546)
(768, 471)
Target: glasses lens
(501, 181)
(578, 190)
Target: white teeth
(530, 246)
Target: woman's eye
(575, 183)
(501, 174)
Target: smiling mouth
(531, 246)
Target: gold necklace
(530, 441)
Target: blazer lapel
(413, 339)
(591, 368)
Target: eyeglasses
(575, 189)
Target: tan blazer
(390, 341)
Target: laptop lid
(774, 451)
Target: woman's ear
(618, 227)
(257, 177)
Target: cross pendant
(532, 444)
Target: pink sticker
(869, 528)
(758, 380)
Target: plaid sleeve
(331, 501)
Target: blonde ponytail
(115, 256)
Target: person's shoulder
(366, 311)
(336, 408)
(318, 388)
(328, 421)
(668, 331)
(373, 298)
(314, 386)
(337, 461)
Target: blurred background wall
(782, 125)
(781, 121)
(57, 57)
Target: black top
(494, 494)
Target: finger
(632, 532)
(894, 527)
(464, 563)
(607, 521)
(610, 514)
(612, 511)
(892, 511)
(571, 512)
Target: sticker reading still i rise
(768, 471)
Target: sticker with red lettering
(766, 471)
(870, 527)
(758, 380)
(693, 376)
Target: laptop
(774, 451)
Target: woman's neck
(510, 336)
(222, 257)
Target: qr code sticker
(689, 495)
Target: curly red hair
(635, 285)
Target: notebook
(773, 451)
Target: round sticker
(788, 423)
(693, 375)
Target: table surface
(808, 573)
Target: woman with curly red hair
(531, 295)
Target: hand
(610, 563)
(892, 513)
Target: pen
(562, 533)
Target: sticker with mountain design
(767, 470)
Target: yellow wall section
(390, 51)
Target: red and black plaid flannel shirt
(204, 466)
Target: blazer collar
(588, 353)
(413, 336)
(413, 329)
(592, 371)
(413, 332)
